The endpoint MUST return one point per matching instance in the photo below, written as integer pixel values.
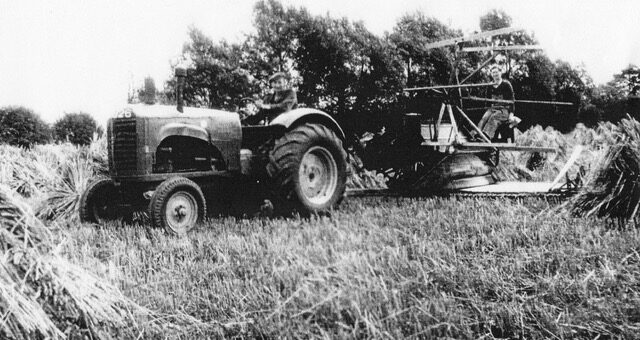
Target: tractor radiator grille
(123, 146)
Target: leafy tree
(423, 66)
(628, 80)
(611, 98)
(573, 85)
(519, 64)
(216, 76)
(339, 66)
(276, 39)
(537, 81)
(77, 128)
(22, 127)
(495, 19)
(514, 61)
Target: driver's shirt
(280, 101)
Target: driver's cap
(276, 76)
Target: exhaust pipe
(149, 91)
(181, 74)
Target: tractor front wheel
(308, 168)
(97, 202)
(177, 205)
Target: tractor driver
(500, 114)
(281, 99)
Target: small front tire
(177, 205)
(97, 202)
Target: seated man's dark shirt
(280, 102)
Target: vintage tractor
(179, 161)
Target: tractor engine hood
(166, 111)
(138, 130)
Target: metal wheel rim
(181, 212)
(318, 175)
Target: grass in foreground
(383, 268)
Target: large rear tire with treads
(308, 168)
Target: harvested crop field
(382, 268)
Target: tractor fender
(181, 129)
(298, 117)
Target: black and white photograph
(299, 169)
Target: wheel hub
(318, 175)
(182, 211)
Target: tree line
(23, 127)
(339, 66)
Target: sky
(71, 56)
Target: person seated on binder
(498, 121)
(281, 99)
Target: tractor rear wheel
(177, 205)
(308, 168)
(97, 202)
